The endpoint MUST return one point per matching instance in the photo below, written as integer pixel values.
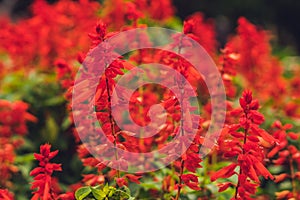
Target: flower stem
(181, 127)
(112, 124)
(180, 180)
(241, 171)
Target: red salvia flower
(247, 146)
(13, 119)
(157, 10)
(202, 31)
(34, 47)
(256, 61)
(43, 181)
(287, 155)
(228, 61)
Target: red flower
(121, 182)
(6, 195)
(158, 10)
(127, 177)
(256, 61)
(42, 175)
(225, 172)
(13, 119)
(247, 146)
(191, 181)
(202, 31)
(288, 155)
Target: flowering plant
(107, 149)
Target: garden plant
(123, 100)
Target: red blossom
(224, 186)
(243, 142)
(225, 172)
(43, 181)
(191, 181)
(13, 124)
(202, 31)
(247, 146)
(256, 61)
(288, 155)
(6, 195)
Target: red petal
(133, 178)
(293, 136)
(121, 182)
(253, 138)
(224, 186)
(266, 136)
(225, 172)
(189, 177)
(36, 171)
(261, 168)
(283, 194)
(39, 157)
(193, 185)
(46, 191)
(280, 177)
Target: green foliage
(103, 193)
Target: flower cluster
(246, 142)
(13, 119)
(256, 61)
(287, 155)
(47, 38)
(43, 180)
(245, 157)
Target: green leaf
(25, 158)
(51, 129)
(83, 192)
(111, 193)
(66, 123)
(98, 194)
(106, 189)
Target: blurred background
(280, 16)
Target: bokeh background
(280, 16)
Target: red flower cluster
(247, 147)
(189, 161)
(60, 39)
(292, 108)
(228, 61)
(39, 40)
(287, 155)
(43, 180)
(201, 30)
(256, 61)
(246, 142)
(119, 13)
(13, 119)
